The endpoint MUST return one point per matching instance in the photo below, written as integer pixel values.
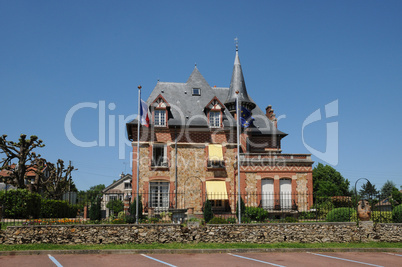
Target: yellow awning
(216, 190)
(215, 152)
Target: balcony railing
(270, 157)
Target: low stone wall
(163, 233)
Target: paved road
(299, 259)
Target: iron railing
(258, 207)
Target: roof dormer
(214, 104)
(160, 102)
(214, 112)
(160, 111)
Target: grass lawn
(198, 246)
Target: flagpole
(238, 157)
(138, 154)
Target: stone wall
(163, 233)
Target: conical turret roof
(237, 83)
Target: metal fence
(161, 205)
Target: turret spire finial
(237, 83)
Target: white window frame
(215, 120)
(196, 92)
(157, 162)
(159, 195)
(160, 117)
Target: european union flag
(245, 117)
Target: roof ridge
(171, 82)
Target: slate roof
(189, 111)
(237, 83)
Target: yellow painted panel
(215, 152)
(216, 190)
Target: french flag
(144, 113)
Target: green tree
(386, 189)
(95, 210)
(116, 205)
(133, 207)
(396, 197)
(208, 214)
(329, 182)
(91, 194)
(368, 191)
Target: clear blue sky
(296, 55)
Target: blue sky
(297, 56)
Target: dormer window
(214, 111)
(160, 118)
(214, 119)
(196, 91)
(160, 108)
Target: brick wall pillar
(277, 192)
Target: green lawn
(197, 246)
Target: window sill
(160, 168)
(216, 168)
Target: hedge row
(22, 204)
(349, 215)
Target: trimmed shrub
(231, 220)
(307, 215)
(341, 215)
(129, 219)
(290, 219)
(256, 214)
(245, 219)
(57, 209)
(323, 207)
(95, 210)
(397, 214)
(20, 204)
(115, 205)
(218, 220)
(208, 214)
(154, 220)
(381, 217)
(133, 207)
